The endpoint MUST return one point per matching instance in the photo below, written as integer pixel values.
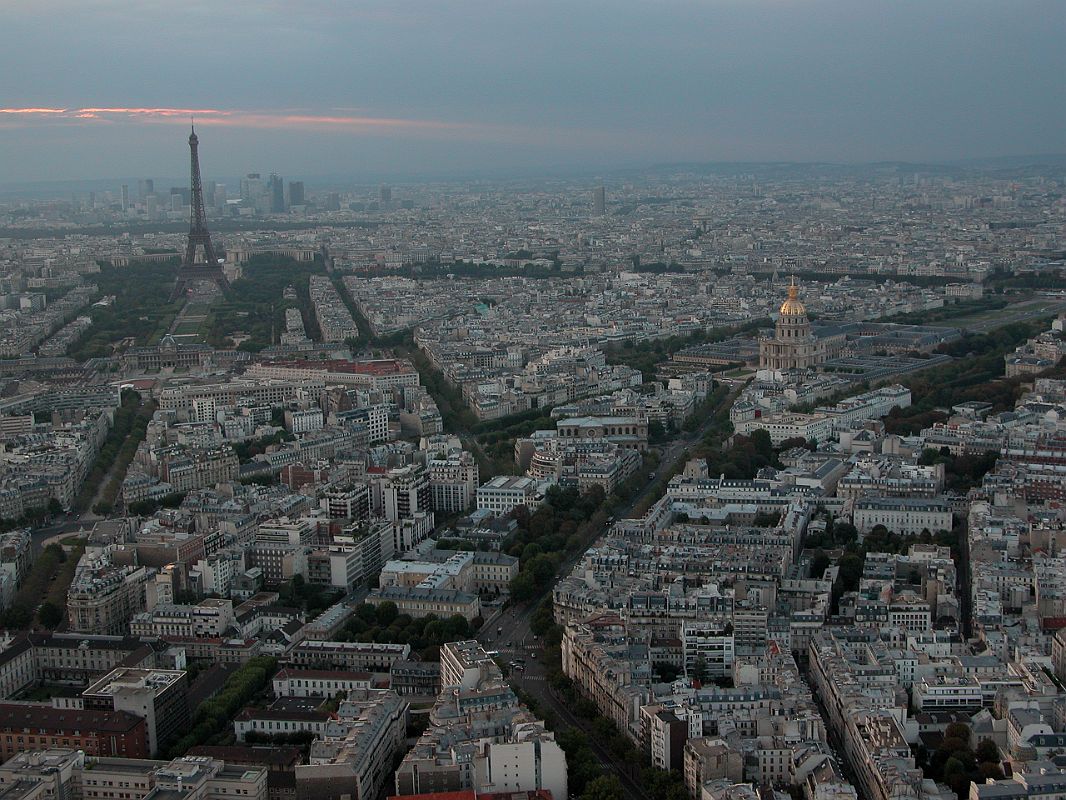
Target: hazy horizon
(425, 89)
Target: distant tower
(386, 193)
(251, 188)
(296, 193)
(276, 187)
(599, 201)
(206, 266)
(125, 197)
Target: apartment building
(347, 656)
(210, 618)
(405, 493)
(347, 502)
(355, 755)
(480, 738)
(379, 375)
(104, 596)
(453, 483)
(596, 657)
(903, 515)
(706, 759)
(16, 558)
(195, 468)
(279, 561)
(159, 696)
(504, 493)
(627, 432)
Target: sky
(105, 88)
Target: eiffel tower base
(199, 272)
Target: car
(519, 668)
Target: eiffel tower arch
(201, 262)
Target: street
(39, 537)
(516, 640)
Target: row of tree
(214, 716)
(976, 373)
(586, 777)
(126, 453)
(961, 473)
(956, 762)
(384, 623)
(27, 601)
(563, 523)
(255, 304)
(646, 354)
(744, 457)
(141, 308)
(128, 420)
(313, 598)
(145, 508)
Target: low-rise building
(319, 683)
(421, 601)
(65, 772)
(25, 726)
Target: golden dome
(793, 307)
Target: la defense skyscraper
(201, 262)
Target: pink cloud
(340, 121)
(155, 112)
(237, 118)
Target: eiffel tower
(196, 266)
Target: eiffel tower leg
(178, 290)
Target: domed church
(793, 345)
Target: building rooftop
(133, 679)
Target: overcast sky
(102, 88)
